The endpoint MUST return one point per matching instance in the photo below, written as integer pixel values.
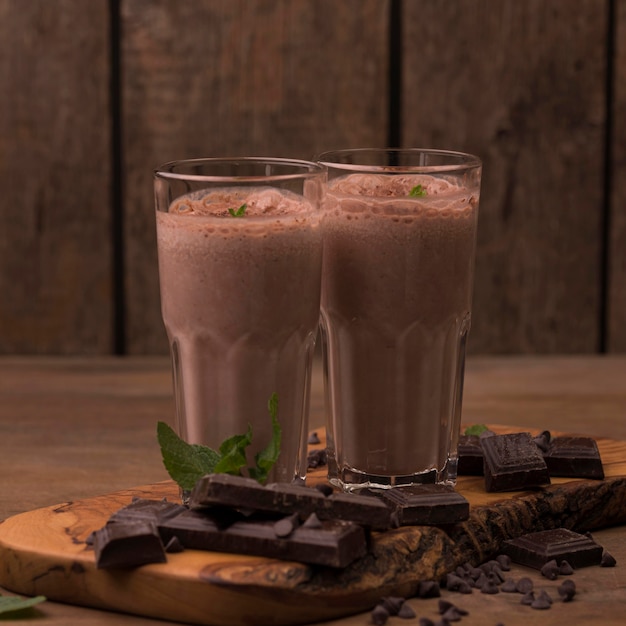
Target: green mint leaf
(476, 429)
(233, 453)
(14, 604)
(185, 462)
(240, 212)
(418, 191)
(266, 458)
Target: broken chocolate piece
(425, 505)
(513, 462)
(144, 510)
(470, 454)
(574, 457)
(236, 491)
(336, 543)
(128, 544)
(536, 549)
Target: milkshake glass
(397, 280)
(240, 251)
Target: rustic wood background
(96, 94)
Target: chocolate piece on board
(423, 505)
(128, 544)
(241, 492)
(537, 549)
(237, 491)
(144, 510)
(470, 455)
(575, 457)
(335, 544)
(513, 462)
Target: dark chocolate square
(470, 455)
(513, 462)
(574, 457)
(536, 549)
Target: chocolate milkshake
(239, 273)
(396, 302)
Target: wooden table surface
(72, 428)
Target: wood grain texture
(55, 240)
(521, 84)
(232, 78)
(44, 552)
(616, 323)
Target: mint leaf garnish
(266, 458)
(476, 429)
(233, 453)
(186, 463)
(240, 212)
(418, 191)
(13, 604)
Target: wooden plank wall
(96, 94)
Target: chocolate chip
(379, 615)
(285, 526)
(509, 586)
(406, 612)
(504, 561)
(428, 589)
(174, 546)
(451, 615)
(490, 587)
(324, 488)
(444, 605)
(314, 438)
(317, 458)
(542, 602)
(393, 604)
(565, 569)
(607, 560)
(524, 585)
(312, 521)
(550, 570)
(528, 598)
(567, 590)
(425, 621)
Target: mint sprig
(476, 429)
(16, 604)
(240, 212)
(186, 462)
(418, 191)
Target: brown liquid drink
(396, 302)
(240, 302)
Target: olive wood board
(44, 552)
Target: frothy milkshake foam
(240, 302)
(396, 303)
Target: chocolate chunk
(536, 549)
(470, 454)
(336, 543)
(128, 544)
(574, 457)
(513, 462)
(237, 491)
(144, 510)
(425, 505)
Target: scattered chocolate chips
(528, 598)
(550, 570)
(524, 585)
(128, 544)
(509, 586)
(565, 569)
(567, 590)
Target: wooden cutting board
(44, 552)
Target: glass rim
(309, 169)
(463, 160)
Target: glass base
(350, 479)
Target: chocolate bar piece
(513, 462)
(128, 544)
(239, 492)
(144, 510)
(426, 504)
(331, 543)
(470, 454)
(536, 549)
(575, 457)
